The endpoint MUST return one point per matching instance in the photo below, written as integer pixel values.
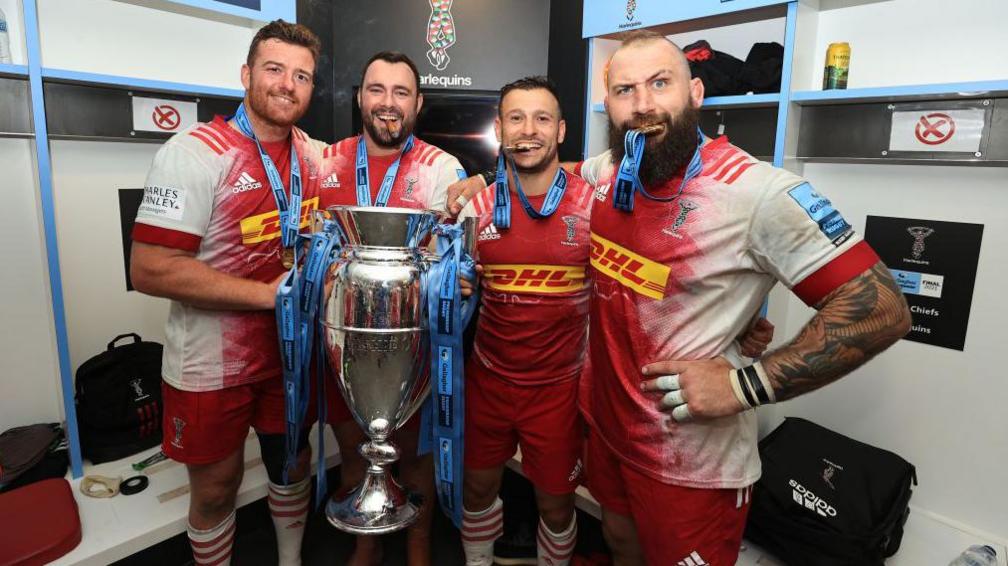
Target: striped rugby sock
(479, 531)
(288, 505)
(212, 547)
(556, 549)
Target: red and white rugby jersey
(534, 292)
(422, 181)
(679, 280)
(207, 193)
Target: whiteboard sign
(162, 115)
(937, 130)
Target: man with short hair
(399, 170)
(686, 243)
(521, 379)
(208, 237)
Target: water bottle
(976, 555)
(5, 53)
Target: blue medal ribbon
(502, 195)
(363, 178)
(289, 210)
(298, 298)
(443, 415)
(628, 177)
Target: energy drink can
(837, 64)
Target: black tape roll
(133, 485)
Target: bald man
(685, 246)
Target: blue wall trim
(15, 70)
(269, 9)
(784, 103)
(976, 88)
(144, 84)
(603, 17)
(49, 229)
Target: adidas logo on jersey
(693, 559)
(331, 182)
(601, 192)
(489, 233)
(244, 183)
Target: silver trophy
(378, 346)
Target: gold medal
(287, 257)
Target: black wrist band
(489, 176)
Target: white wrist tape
(751, 386)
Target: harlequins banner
(935, 265)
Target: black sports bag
(827, 500)
(119, 400)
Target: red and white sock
(288, 505)
(212, 547)
(479, 531)
(556, 549)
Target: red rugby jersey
(534, 303)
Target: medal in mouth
(651, 129)
(522, 147)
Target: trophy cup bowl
(377, 344)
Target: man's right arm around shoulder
(177, 275)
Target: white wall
(116, 38)
(897, 42)
(29, 378)
(941, 409)
(87, 177)
(15, 30)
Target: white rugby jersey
(207, 193)
(679, 280)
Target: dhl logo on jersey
(534, 278)
(266, 226)
(633, 270)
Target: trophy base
(378, 506)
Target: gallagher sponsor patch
(820, 209)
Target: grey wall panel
(105, 112)
(15, 106)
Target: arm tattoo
(856, 321)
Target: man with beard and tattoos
(396, 169)
(683, 253)
(521, 379)
(208, 237)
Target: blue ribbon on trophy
(443, 415)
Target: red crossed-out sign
(166, 117)
(934, 128)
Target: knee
(477, 496)
(557, 519)
(214, 500)
(620, 537)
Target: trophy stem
(379, 504)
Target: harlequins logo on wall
(919, 233)
(631, 8)
(440, 33)
(440, 37)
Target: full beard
(385, 136)
(663, 158)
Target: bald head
(645, 40)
